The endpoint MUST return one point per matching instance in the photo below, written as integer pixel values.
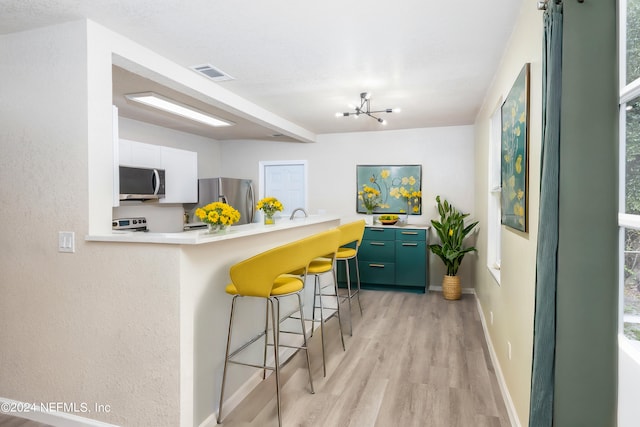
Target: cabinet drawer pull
(376, 243)
(409, 244)
(376, 229)
(376, 265)
(412, 233)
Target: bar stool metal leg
(275, 318)
(335, 290)
(358, 279)
(266, 339)
(349, 296)
(305, 342)
(318, 304)
(318, 292)
(226, 359)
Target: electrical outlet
(509, 348)
(66, 241)
(491, 317)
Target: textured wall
(512, 301)
(97, 326)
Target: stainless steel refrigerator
(235, 192)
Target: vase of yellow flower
(269, 206)
(218, 216)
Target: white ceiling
(305, 61)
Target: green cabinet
(392, 257)
(411, 255)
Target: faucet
(296, 210)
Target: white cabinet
(181, 175)
(140, 155)
(180, 166)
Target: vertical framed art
(515, 154)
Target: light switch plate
(66, 241)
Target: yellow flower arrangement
(218, 213)
(369, 197)
(269, 205)
(407, 191)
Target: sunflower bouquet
(269, 205)
(218, 213)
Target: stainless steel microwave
(141, 183)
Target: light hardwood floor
(413, 360)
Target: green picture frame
(515, 154)
(391, 181)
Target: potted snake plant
(451, 231)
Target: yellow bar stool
(325, 246)
(351, 233)
(263, 276)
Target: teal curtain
(544, 332)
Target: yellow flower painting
(389, 189)
(514, 143)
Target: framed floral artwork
(515, 154)
(393, 189)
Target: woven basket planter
(451, 287)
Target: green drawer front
(411, 234)
(378, 273)
(379, 233)
(377, 250)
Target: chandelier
(365, 108)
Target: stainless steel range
(129, 224)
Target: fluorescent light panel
(165, 104)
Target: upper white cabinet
(181, 175)
(180, 166)
(140, 155)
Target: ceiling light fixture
(365, 108)
(165, 104)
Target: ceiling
(305, 61)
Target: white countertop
(201, 236)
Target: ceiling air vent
(212, 72)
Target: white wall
(86, 326)
(512, 302)
(446, 155)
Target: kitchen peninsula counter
(171, 302)
(202, 236)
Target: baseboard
(511, 409)
(43, 413)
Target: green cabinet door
(411, 261)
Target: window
(286, 181)
(629, 216)
(494, 197)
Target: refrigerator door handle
(253, 203)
